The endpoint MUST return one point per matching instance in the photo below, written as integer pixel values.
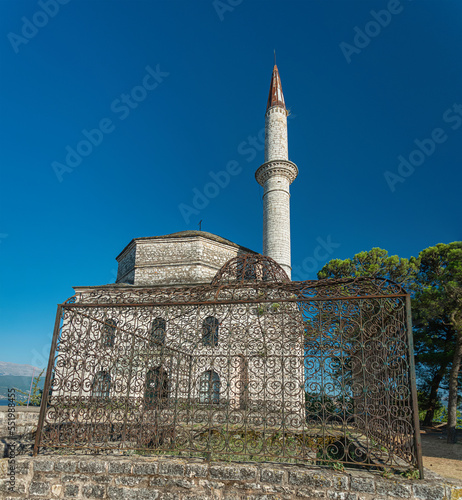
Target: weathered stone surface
(132, 493)
(66, 466)
(41, 465)
(429, 492)
(341, 495)
(71, 490)
(178, 479)
(231, 473)
(196, 470)
(179, 258)
(363, 484)
(394, 489)
(39, 488)
(56, 490)
(22, 467)
(272, 476)
(93, 491)
(96, 467)
(211, 485)
(72, 478)
(146, 469)
(119, 467)
(341, 482)
(128, 480)
(310, 478)
(171, 468)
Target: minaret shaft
(276, 175)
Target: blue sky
(195, 77)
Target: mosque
(213, 354)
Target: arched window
(210, 331)
(158, 332)
(101, 385)
(156, 389)
(109, 330)
(209, 388)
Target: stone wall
(166, 478)
(25, 424)
(189, 257)
(26, 420)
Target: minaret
(276, 175)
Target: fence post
(415, 407)
(46, 387)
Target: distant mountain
(16, 370)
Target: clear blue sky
(351, 120)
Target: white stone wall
(276, 147)
(126, 269)
(174, 261)
(276, 175)
(276, 220)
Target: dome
(250, 268)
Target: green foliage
(375, 262)
(36, 393)
(441, 416)
(439, 285)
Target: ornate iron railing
(314, 372)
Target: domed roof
(250, 268)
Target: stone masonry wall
(276, 144)
(173, 261)
(276, 220)
(50, 477)
(125, 271)
(26, 420)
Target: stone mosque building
(209, 355)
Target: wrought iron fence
(314, 372)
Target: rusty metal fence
(316, 372)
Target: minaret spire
(276, 175)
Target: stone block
(93, 491)
(341, 495)
(132, 493)
(394, 489)
(196, 470)
(171, 468)
(363, 484)
(146, 469)
(43, 465)
(37, 488)
(128, 480)
(317, 479)
(22, 467)
(273, 476)
(56, 490)
(429, 492)
(233, 473)
(119, 467)
(211, 485)
(94, 466)
(65, 466)
(71, 491)
(71, 478)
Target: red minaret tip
(276, 97)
